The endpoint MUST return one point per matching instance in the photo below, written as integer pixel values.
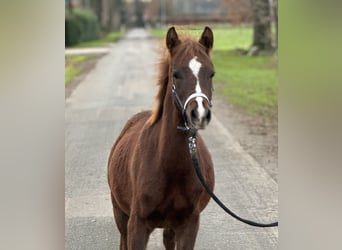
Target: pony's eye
(176, 75)
(212, 75)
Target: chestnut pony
(152, 181)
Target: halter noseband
(183, 107)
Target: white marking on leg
(195, 66)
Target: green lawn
(225, 36)
(73, 62)
(250, 83)
(71, 68)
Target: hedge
(80, 26)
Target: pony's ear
(207, 39)
(172, 39)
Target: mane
(190, 46)
(162, 82)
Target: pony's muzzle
(199, 114)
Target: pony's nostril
(208, 117)
(193, 114)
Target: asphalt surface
(122, 84)
(87, 51)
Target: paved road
(122, 84)
(87, 51)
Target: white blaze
(195, 66)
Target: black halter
(182, 107)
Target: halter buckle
(192, 141)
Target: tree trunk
(96, 6)
(70, 7)
(85, 4)
(276, 20)
(139, 13)
(123, 15)
(262, 38)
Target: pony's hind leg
(121, 220)
(169, 239)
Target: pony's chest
(169, 215)
(176, 205)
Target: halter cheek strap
(183, 107)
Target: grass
(192, 30)
(231, 38)
(72, 69)
(104, 41)
(73, 62)
(250, 83)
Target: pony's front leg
(186, 235)
(138, 233)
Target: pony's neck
(171, 115)
(172, 140)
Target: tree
(96, 6)
(116, 12)
(85, 4)
(139, 13)
(70, 6)
(275, 11)
(262, 37)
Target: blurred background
(89, 19)
(245, 34)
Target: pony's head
(190, 74)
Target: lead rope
(193, 153)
